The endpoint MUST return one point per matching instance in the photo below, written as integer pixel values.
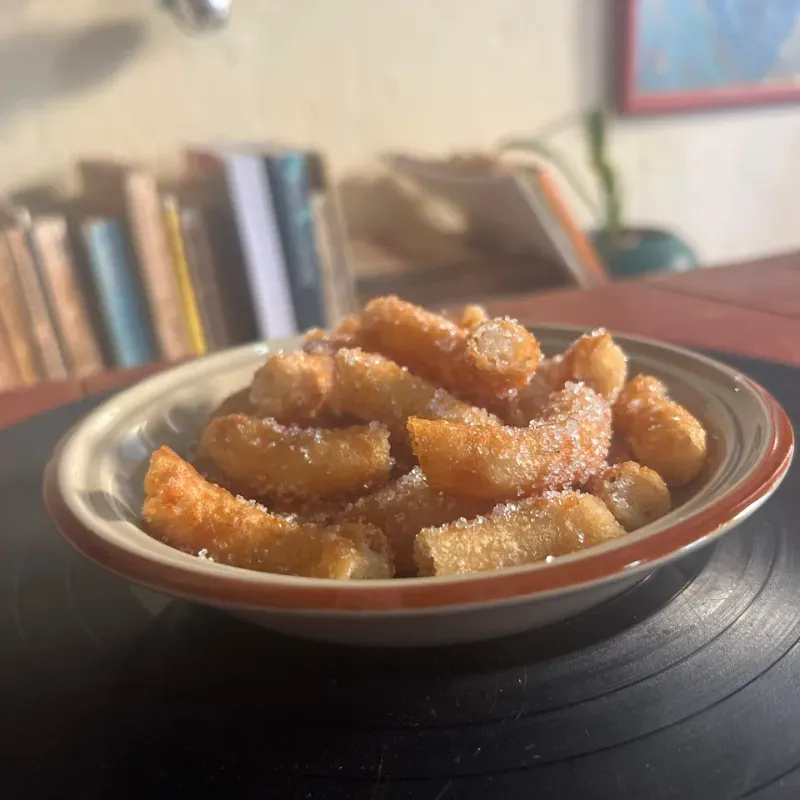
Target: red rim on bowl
(227, 586)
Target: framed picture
(680, 55)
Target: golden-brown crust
(555, 524)
(292, 387)
(567, 446)
(504, 355)
(634, 494)
(662, 434)
(272, 459)
(597, 360)
(193, 515)
(372, 387)
(407, 505)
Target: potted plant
(624, 250)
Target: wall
(355, 77)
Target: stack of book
(251, 247)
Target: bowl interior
(102, 464)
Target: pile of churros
(410, 444)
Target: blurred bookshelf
(129, 275)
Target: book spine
(120, 304)
(17, 322)
(264, 260)
(191, 311)
(593, 269)
(50, 239)
(10, 377)
(44, 336)
(155, 263)
(200, 259)
(291, 190)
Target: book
(48, 349)
(250, 195)
(503, 208)
(581, 244)
(334, 257)
(131, 195)
(121, 305)
(155, 263)
(10, 377)
(202, 268)
(49, 238)
(292, 182)
(16, 322)
(191, 311)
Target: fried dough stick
(662, 434)
(471, 316)
(405, 506)
(346, 334)
(472, 364)
(371, 387)
(273, 459)
(634, 494)
(503, 354)
(554, 524)
(190, 514)
(568, 445)
(594, 359)
(292, 387)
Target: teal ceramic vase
(636, 251)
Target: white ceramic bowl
(93, 490)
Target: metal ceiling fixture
(199, 16)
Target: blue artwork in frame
(692, 54)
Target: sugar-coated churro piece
(345, 334)
(405, 506)
(372, 387)
(521, 406)
(472, 316)
(597, 360)
(269, 458)
(638, 391)
(662, 433)
(193, 515)
(634, 494)
(430, 345)
(554, 524)
(473, 365)
(504, 355)
(292, 387)
(567, 445)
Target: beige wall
(354, 77)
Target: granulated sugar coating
(662, 434)
(372, 387)
(566, 446)
(292, 387)
(634, 494)
(406, 505)
(395, 436)
(504, 353)
(596, 360)
(472, 366)
(269, 458)
(516, 533)
(195, 516)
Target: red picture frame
(633, 102)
